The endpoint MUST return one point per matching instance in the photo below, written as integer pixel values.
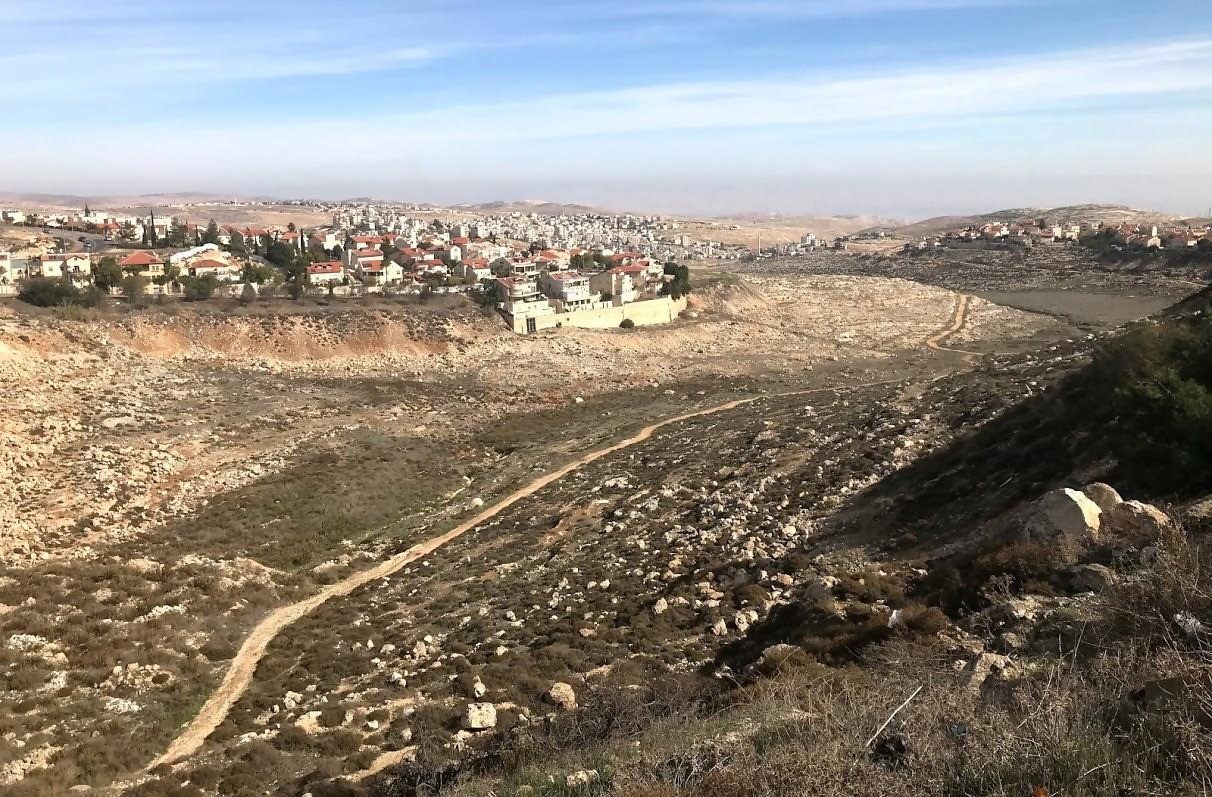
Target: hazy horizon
(100, 199)
(895, 108)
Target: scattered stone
(1104, 495)
(480, 717)
(1067, 516)
(1138, 522)
(562, 696)
(981, 668)
(1091, 578)
(581, 778)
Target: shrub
(627, 324)
(1159, 381)
(47, 292)
(134, 286)
(199, 289)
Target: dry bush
(1145, 609)
(962, 584)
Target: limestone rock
(1065, 515)
(1199, 514)
(1092, 578)
(480, 717)
(1137, 521)
(984, 665)
(562, 696)
(1104, 495)
(581, 778)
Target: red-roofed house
(362, 257)
(224, 272)
(144, 263)
(325, 273)
(73, 264)
(476, 268)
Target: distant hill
(539, 206)
(1070, 214)
(55, 201)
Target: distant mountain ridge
(72, 201)
(1069, 214)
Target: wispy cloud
(965, 89)
(924, 98)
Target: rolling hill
(1071, 214)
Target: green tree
(107, 273)
(171, 275)
(133, 287)
(679, 286)
(248, 294)
(281, 254)
(211, 236)
(258, 273)
(48, 292)
(199, 289)
(486, 295)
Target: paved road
(68, 237)
(72, 238)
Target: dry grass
(1084, 722)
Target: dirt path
(240, 673)
(243, 667)
(958, 321)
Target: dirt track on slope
(958, 322)
(243, 667)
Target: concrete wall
(647, 313)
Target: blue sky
(892, 107)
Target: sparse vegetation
(47, 292)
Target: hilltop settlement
(589, 270)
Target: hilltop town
(539, 271)
(566, 266)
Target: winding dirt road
(958, 321)
(244, 665)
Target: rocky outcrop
(1104, 495)
(480, 717)
(1065, 516)
(562, 696)
(1092, 578)
(1138, 522)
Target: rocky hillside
(1072, 214)
(990, 618)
